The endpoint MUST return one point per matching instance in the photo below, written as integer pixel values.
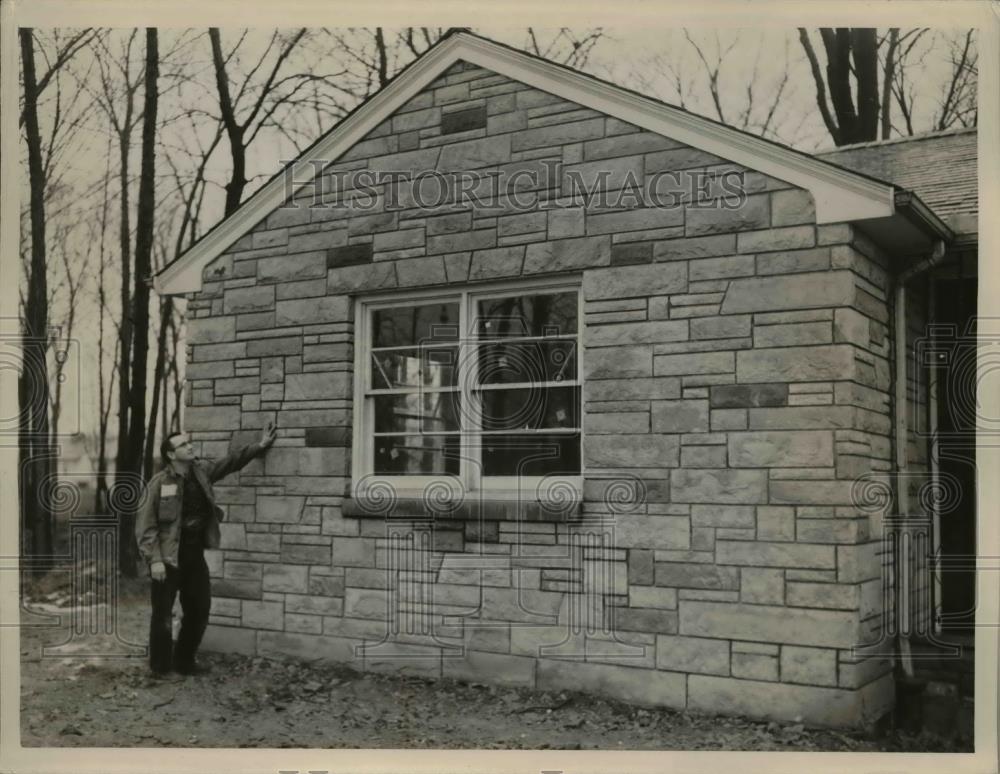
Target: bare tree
(745, 113)
(959, 106)
(191, 198)
(847, 90)
(34, 438)
(264, 99)
(75, 267)
(64, 51)
(908, 52)
(104, 392)
(956, 103)
(39, 405)
(566, 46)
(131, 449)
(119, 81)
(708, 73)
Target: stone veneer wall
(737, 364)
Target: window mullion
(465, 404)
(367, 449)
(475, 403)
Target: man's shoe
(192, 669)
(163, 677)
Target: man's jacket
(158, 522)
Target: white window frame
(532, 488)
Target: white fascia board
(840, 195)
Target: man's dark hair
(168, 445)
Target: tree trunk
(864, 51)
(103, 407)
(234, 131)
(838, 75)
(145, 221)
(381, 58)
(887, 75)
(25, 478)
(238, 181)
(127, 555)
(166, 309)
(850, 53)
(35, 390)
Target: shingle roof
(941, 168)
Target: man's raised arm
(235, 460)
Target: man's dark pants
(190, 578)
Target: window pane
(416, 455)
(405, 325)
(417, 367)
(531, 409)
(417, 412)
(551, 314)
(527, 361)
(531, 455)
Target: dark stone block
(236, 589)
(449, 540)
(640, 567)
(328, 436)
(326, 585)
(482, 531)
(464, 120)
(657, 490)
(271, 347)
(748, 395)
(632, 252)
(295, 553)
(349, 255)
(697, 576)
(645, 620)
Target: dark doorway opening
(955, 440)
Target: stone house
(574, 389)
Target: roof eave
(911, 207)
(912, 231)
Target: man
(177, 520)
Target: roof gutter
(909, 205)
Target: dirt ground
(74, 700)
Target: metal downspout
(901, 435)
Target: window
(479, 390)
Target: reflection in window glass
(527, 361)
(533, 454)
(538, 408)
(414, 367)
(410, 325)
(417, 412)
(550, 314)
(416, 455)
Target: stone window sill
(470, 509)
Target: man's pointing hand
(268, 436)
